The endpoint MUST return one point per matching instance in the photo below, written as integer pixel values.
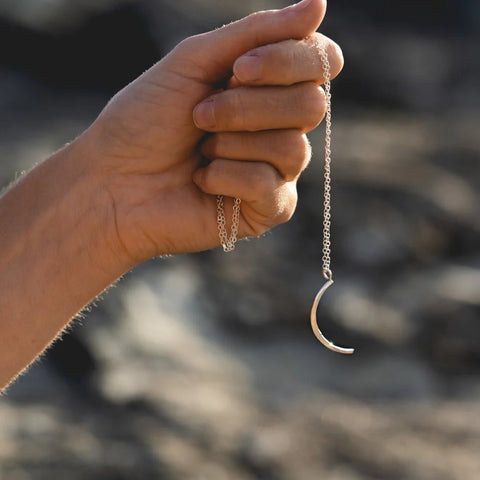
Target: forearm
(58, 250)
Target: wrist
(77, 164)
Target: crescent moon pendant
(316, 330)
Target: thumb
(215, 52)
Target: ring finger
(288, 151)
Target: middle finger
(250, 109)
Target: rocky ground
(203, 366)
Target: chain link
(327, 216)
(227, 242)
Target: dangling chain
(327, 217)
(227, 242)
(327, 273)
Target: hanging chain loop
(228, 242)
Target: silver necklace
(326, 250)
(228, 241)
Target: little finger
(267, 200)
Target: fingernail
(300, 5)
(204, 114)
(248, 68)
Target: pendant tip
(346, 351)
(313, 319)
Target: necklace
(326, 250)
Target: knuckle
(297, 151)
(314, 104)
(256, 19)
(288, 204)
(300, 147)
(280, 206)
(307, 149)
(305, 154)
(187, 44)
(337, 61)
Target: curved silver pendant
(316, 330)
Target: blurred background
(204, 366)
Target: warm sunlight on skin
(130, 187)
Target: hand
(131, 186)
(147, 143)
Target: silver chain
(227, 242)
(327, 216)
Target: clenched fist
(238, 100)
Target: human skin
(134, 185)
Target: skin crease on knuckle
(286, 202)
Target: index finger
(288, 62)
(214, 52)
